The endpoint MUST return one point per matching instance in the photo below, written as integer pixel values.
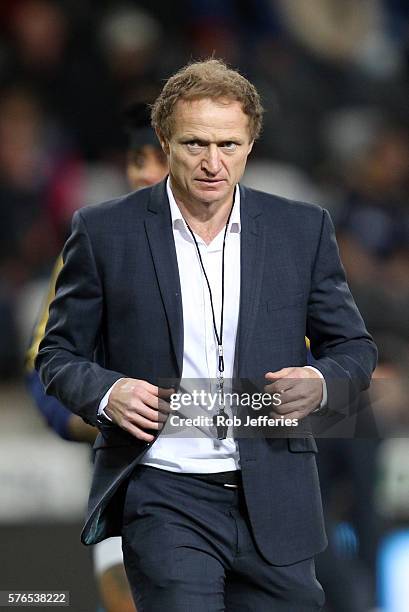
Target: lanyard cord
(219, 336)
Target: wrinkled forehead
(213, 114)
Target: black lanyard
(221, 414)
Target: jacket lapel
(251, 265)
(159, 232)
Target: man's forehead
(189, 105)
(219, 113)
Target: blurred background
(333, 75)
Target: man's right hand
(137, 406)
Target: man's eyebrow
(187, 139)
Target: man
(198, 278)
(146, 164)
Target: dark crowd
(333, 76)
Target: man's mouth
(210, 181)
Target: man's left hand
(300, 390)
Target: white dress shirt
(200, 453)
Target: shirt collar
(178, 221)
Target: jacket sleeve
(341, 347)
(65, 359)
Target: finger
(148, 413)
(166, 393)
(158, 405)
(154, 402)
(162, 392)
(307, 394)
(283, 373)
(164, 407)
(302, 405)
(285, 409)
(280, 386)
(144, 423)
(152, 389)
(151, 400)
(297, 393)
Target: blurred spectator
(355, 500)
(26, 162)
(40, 33)
(377, 212)
(135, 55)
(373, 228)
(344, 32)
(129, 39)
(58, 57)
(390, 386)
(368, 166)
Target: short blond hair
(206, 79)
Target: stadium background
(334, 81)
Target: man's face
(146, 166)
(208, 150)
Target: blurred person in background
(134, 53)
(146, 164)
(28, 157)
(370, 162)
(346, 33)
(390, 389)
(348, 474)
(53, 46)
(41, 55)
(375, 217)
(360, 484)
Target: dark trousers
(188, 546)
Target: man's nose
(211, 161)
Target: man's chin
(213, 193)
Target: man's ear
(250, 147)
(164, 143)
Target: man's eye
(194, 145)
(229, 146)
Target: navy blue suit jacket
(118, 312)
